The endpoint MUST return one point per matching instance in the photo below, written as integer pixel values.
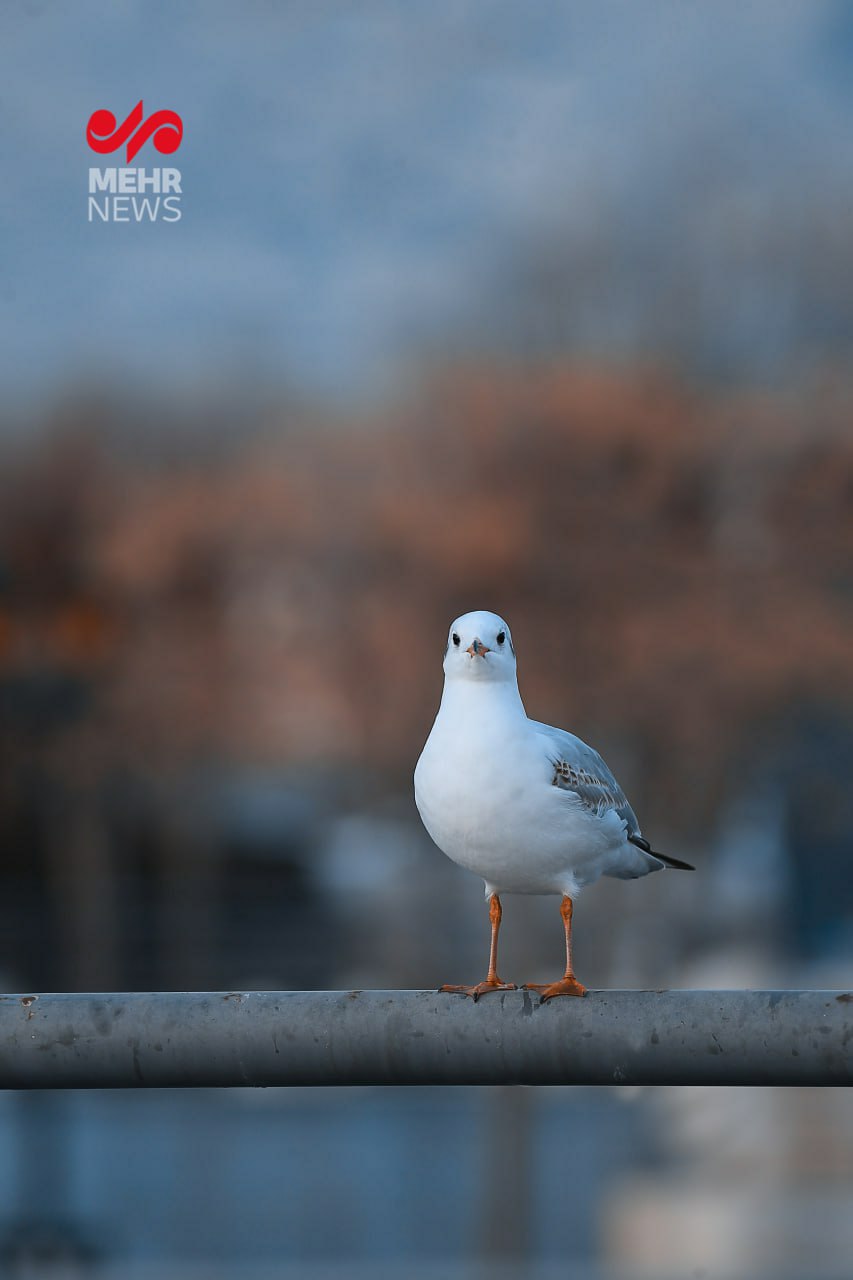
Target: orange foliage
(676, 571)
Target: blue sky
(369, 186)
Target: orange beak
(477, 649)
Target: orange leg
(491, 982)
(568, 984)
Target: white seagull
(530, 808)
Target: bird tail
(663, 857)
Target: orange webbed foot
(565, 987)
(481, 989)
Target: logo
(165, 128)
(134, 194)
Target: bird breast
(476, 792)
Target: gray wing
(580, 769)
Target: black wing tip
(643, 844)
(676, 863)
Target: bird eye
(456, 640)
(501, 637)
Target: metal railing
(200, 1039)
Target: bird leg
(568, 984)
(491, 982)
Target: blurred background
(543, 309)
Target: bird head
(479, 647)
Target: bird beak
(477, 649)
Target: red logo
(165, 128)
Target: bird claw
(565, 987)
(481, 988)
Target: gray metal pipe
(204, 1038)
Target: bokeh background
(545, 309)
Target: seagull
(530, 808)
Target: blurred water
(362, 192)
(315, 1176)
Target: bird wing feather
(580, 769)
